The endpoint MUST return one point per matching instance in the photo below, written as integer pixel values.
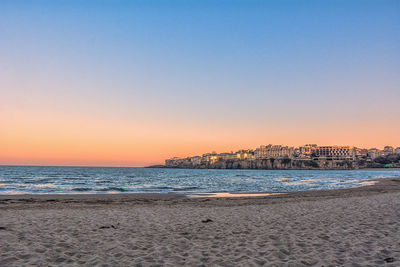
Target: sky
(131, 83)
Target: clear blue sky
(245, 72)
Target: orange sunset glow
(64, 140)
(134, 91)
(199, 133)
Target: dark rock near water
(107, 227)
(389, 260)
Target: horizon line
(79, 166)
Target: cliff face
(275, 164)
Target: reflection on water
(232, 195)
(366, 183)
(88, 180)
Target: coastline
(387, 185)
(343, 227)
(276, 169)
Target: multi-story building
(336, 152)
(227, 156)
(398, 150)
(374, 153)
(171, 162)
(361, 153)
(211, 157)
(388, 150)
(307, 151)
(205, 158)
(175, 162)
(273, 151)
(244, 154)
(196, 160)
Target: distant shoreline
(160, 166)
(292, 169)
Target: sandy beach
(349, 227)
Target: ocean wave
(11, 192)
(186, 188)
(47, 185)
(297, 183)
(119, 189)
(81, 189)
(158, 187)
(118, 180)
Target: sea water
(69, 180)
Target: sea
(105, 180)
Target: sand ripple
(357, 231)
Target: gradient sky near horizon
(130, 83)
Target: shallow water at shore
(70, 180)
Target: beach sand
(350, 227)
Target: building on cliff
(388, 150)
(245, 154)
(374, 153)
(227, 156)
(273, 151)
(278, 156)
(336, 152)
(306, 151)
(361, 153)
(196, 160)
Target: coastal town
(309, 156)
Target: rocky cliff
(275, 164)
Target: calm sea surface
(43, 180)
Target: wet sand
(349, 227)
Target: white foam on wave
(48, 185)
(224, 194)
(12, 192)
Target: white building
(273, 151)
(196, 160)
(374, 153)
(388, 150)
(307, 150)
(336, 152)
